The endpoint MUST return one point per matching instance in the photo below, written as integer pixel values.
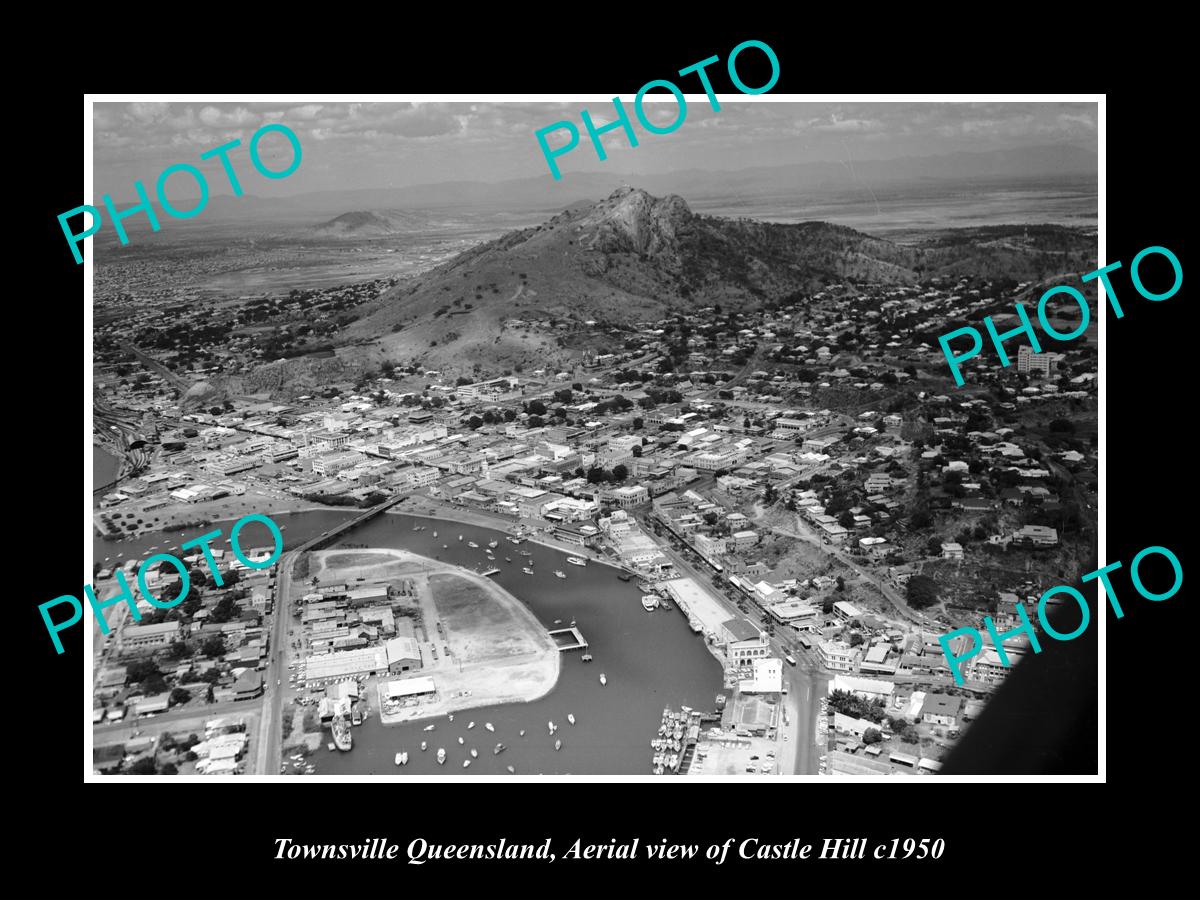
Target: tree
(934, 546)
(846, 520)
(872, 736)
(213, 647)
(637, 451)
(638, 422)
(169, 769)
(855, 639)
(178, 697)
(474, 422)
(841, 583)
(210, 695)
(619, 472)
(536, 408)
(144, 766)
(922, 592)
(827, 605)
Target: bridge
(338, 530)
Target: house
(838, 656)
(403, 655)
(1036, 535)
(844, 611)
(941, 709)
(952, 550)
(248, 686)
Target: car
(754, 757)
(785, 737)
(751, 769)
(278, 682)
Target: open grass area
(481, 626)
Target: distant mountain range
(542, 193)
(369, 223)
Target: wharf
(569, 639)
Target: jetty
(569, 639)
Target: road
(271, 726)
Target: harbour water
(104, 466)
(651, 660)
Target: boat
(508, 559)
(551, 726)
(473, 545)
(649, 601)
(332, 745)
(511, 770)
(461, 739)
(522, 732)
(559, 573)
(398, 755)
(587, 657)
(493, 544)
(524, 553)
(460, 537)
(571, 718)
(603, 679)
(577, 560)
(515, 540)
(424, 746)
(474, 753)
(558, 621)
(341, 733)
(696, 625)
(470, 725)
(441, 756)
(489, 726)
(466, 762)
(451, 717)
(430, 727)
(435, 534)
(498, 749)
(527, 570)
(445, 546)
(402, 758)
(558, 745)
(664, 604)
(416, 528)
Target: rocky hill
(368, 223)
(517, 301)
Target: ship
(441, 756)
(515, 540)
(559, 573)
(430, 727)
(524, 553)
(577, 560)
(341, 733)
(649, 601)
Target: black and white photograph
(712, 436)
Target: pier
(569, 639)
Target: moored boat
(603, 679)
(571, 718)
(498, 749)
(649, 601)
(558, 745)
(527, 570)
(559, 573)
(430, 727)
(577, 560)
(341, 733)
(424, 746)
(472, 545)
(474, 753)
(624, 576)
(441, 756)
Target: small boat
(466, 762)
(398, 755)
(603, 679)
(451, 717)
(332, 745)
(524, 553)
(624, 576)
(558, 621)
(441, 756)
(416, 528)
(404, 758)
(508, 559)
(430, 727)
(551, 725)
(559, 573)
(527, 570)
(577, 560)
(664, 604)
(493, 544)
(587, 657)
(435, 534)
(474, 753)
(522, 732)
(461, 739)
(649, 601)
(498, 749)
(558, 745)
(473, 545)
(571, 718)
(460, 537)
(445, 546)
(470, 725)
(489, 726)
(424, 746)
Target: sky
(356, 145)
